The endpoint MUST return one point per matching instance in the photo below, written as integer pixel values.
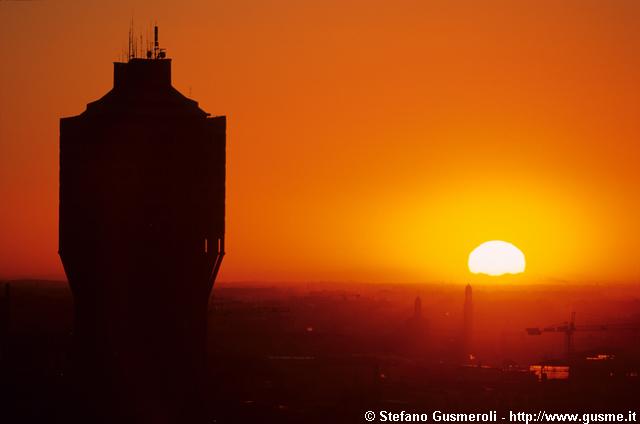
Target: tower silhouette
(142, 224)
(414, 336)
(467, 331)
(417, 308)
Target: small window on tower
(206, 245)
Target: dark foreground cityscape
(329, 352)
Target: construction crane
(568, 328)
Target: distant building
(414, 336)
(417, 308)
(467, 331)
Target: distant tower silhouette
(468, 323)
(414, 335)
(142, 224)
(417, 308)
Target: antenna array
(145, 48)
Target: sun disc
(495, 258)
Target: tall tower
(467, 331)
(142, 225)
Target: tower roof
(143, 87)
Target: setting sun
(496, 258)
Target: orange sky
(367, 140)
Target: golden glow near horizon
(495, 258)
(379, 141)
